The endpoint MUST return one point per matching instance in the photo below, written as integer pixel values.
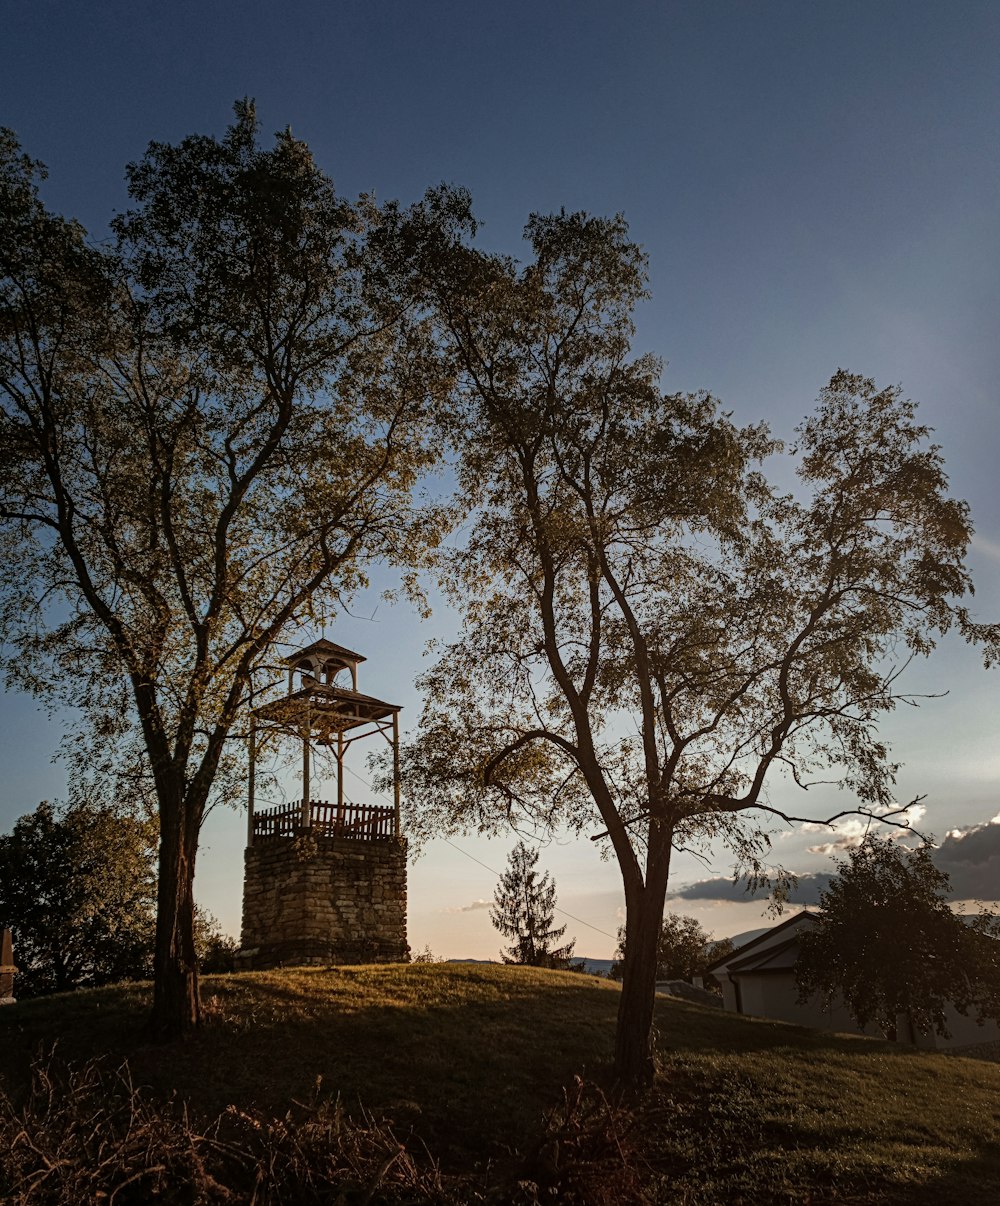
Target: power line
(492, 870)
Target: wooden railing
(361, 821)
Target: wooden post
(305, 818)
(251, 779)
(395, 773)
(340, 776)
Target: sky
(817, 185)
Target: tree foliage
(209, 428)
(78, 891)
(887, 941)
(684, 949)
(524, 908)
(652, 632)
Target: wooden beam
(395, 773)
(251, 779)
(305, 818)
(340, 772)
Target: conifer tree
(523, 908)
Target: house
(758, 979)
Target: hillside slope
(467, 1057)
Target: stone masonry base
(317, 900)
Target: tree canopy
(651, 631)
(523, 909)
(78, 890)
(887, 941)
(210, 427)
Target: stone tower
(324, 881)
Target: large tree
(888, 943)
(210, 426)
(651, 632)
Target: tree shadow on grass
(973, 1181)
(469, 1059)
(697, 1028)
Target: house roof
(780, 958)
(326, 707)
(740, 954)
(323, 646)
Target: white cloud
(837, 846)
(469, 908)
(915, 814)
(849, 832)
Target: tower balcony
(360, 822)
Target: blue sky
(817, 185)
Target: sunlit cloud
(969, 856)
(849, 833)
(720, 887)
(837, 846)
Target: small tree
(684, 950)
(523, 909)
(78, 890)
(887, 941)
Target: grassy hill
(458, 1063)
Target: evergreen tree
(523, 908)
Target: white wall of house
(775, 995)
(965, 1032)
(768, 993)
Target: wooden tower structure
(325, 880)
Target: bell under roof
(324, 647)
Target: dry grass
(89, 1136)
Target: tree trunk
(634, 1062)
(176, 999)
(635, 1065)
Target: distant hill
(739, 940)
(596, 967)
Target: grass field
(467, 1059)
